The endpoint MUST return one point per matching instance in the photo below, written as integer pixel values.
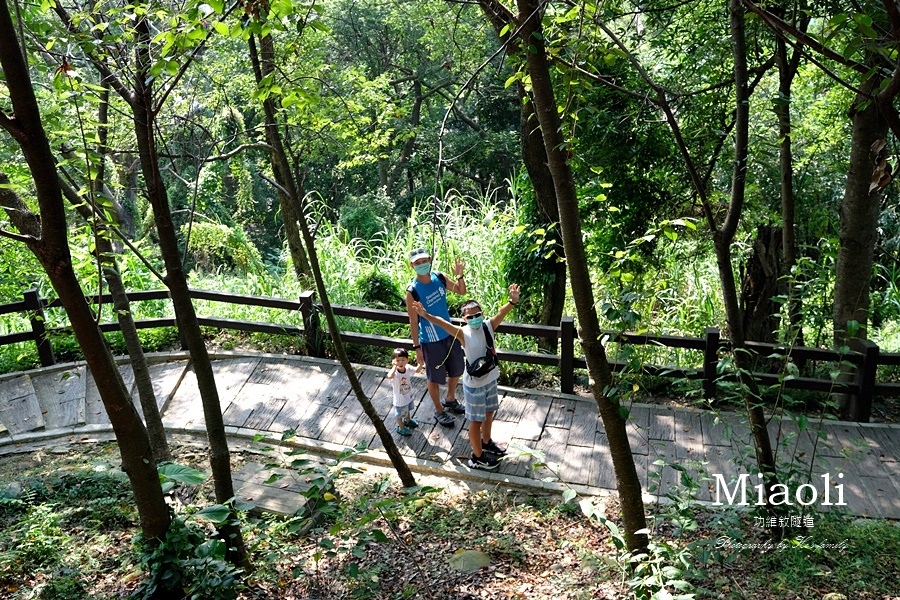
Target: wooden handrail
(862, 388)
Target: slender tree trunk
(46, 237)
(281, 168)
(122, 308)
(108, 255)
(176, 281)
(723, 239)
(534, 157)
(289, 193)
(627, 482)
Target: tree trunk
(787, 70)
(122, 308)
(176, 281)
(274, 139)
(627, 482)
(281, 168)
(723, 239)
(47, 240)
(761, 284)
(534, 157)
(859, 213)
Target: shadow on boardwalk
(270, 394)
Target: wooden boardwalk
(271, 394)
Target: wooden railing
(861, 388)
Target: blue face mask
(476, 322)
(423, 269)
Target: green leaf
(181, 473)
(217, 513)
(569, 495)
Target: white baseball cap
(419, 253)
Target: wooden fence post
(36, 315)
(567, 355)
(312, 332)
(861, 403)
(710, 362)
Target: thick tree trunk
(761, 284)
(859, 214)
(47, 239)
(176, 281)
(627, 482)
(288, 195)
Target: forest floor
(67, 527)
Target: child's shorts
(402, 411)
(480, 401)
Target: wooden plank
(662, 424)
(94, 410)
(553, 445)
(884, 442)
(856, 494)
(21, 414)
(638, 429)
(561, 412)
(336, 390)
(512, 406)
(576, 467)
(602, 471)
(531, 423)
(61, 396)
(716, 428)
(251, 397)
(584, 425)
(356, 427)
(263, 415)
(166, 378)
(721, 460)
(688, 435)
(16, 387)
(517, 467)
(301, 405)
(312, 424)
(231, 374)
(185, 409)
(881, 492)
(661, 478)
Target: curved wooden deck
(270, 394)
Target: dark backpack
(411, 288)
(487, 363)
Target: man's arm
(443, 324)
(413, 321)
(506, 308)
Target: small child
(403, 401)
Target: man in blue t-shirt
(441, 353)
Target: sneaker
(411, 423)
(492, 447)
(403, 430)
(444, 419)
(454, 406)
(485, 462)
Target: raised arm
(457, 285)
(413, 321)
(443, 324)
(506, 308)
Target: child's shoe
(492, 447)
(485, 461)
(403, 431)
(411, 423)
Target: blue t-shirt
(433, 296)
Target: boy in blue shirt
(441, 353)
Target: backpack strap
(488, 338)
(411, 288)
